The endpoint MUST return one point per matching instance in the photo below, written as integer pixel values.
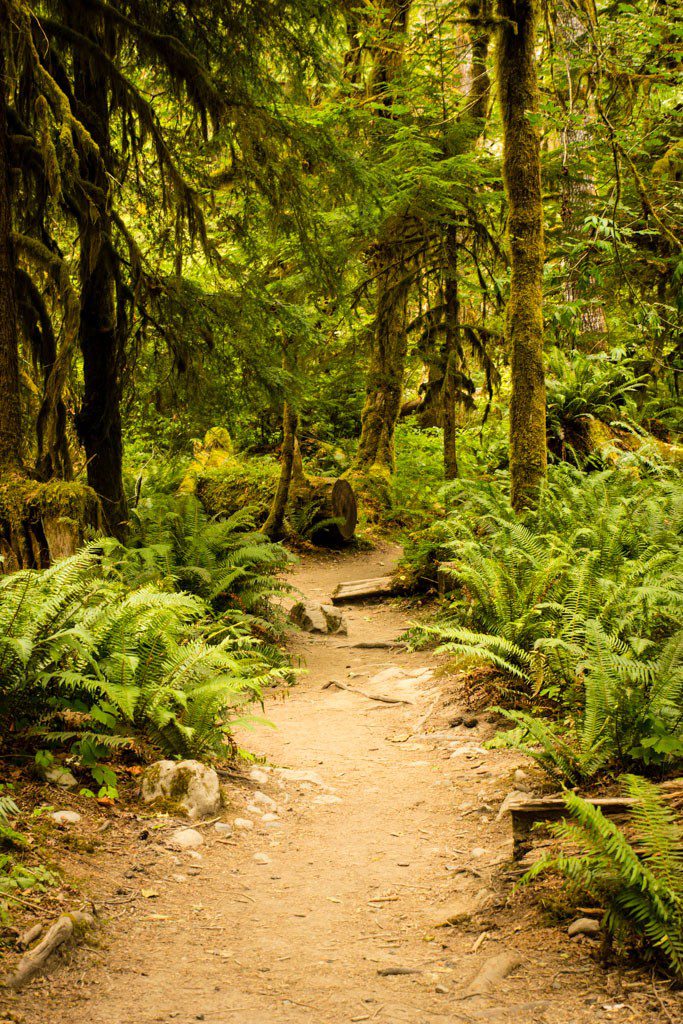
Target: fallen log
(64, 929)
(360, 590)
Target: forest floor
(386, 826)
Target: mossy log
(333, 510)
(41, 523)
(590, 437)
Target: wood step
(359, 590)
(526, 815)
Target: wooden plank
(526, 815)
(358, 590)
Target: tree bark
(102, 325)
(274, 524)
(389, 343)
(10, 400)
(519, 105)
(384, 385)
(451, 357)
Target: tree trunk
(10, 401)
(102, 325)
(451, 356)
(384, 386)
(519, 105)
(578, 185)
(274, 524)
(389, 343)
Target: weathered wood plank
(531, 812)
(358, 590)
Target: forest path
(294, 920)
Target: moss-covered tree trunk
(10, 402)
(388, 341)
(519, 105)
(451, 357)
(384, 384)
(102, 325)
(274, 526)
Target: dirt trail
(293, 920)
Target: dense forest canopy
(266, 267)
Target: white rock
(262, 858)
(269, 817)
(66, 817)
(264, 800)
(583, 926)
(59, 776)
(478, 852)
(186, 786)
(186, 839)
(259, 775)
(302, 776)
(327, 798)
(223, 828)
(245, 823)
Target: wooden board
(360, 590)
(526, 815)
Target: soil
(386, 825)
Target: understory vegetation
(314, 273)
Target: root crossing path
(372, 827)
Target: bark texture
(519, 105)
(102, 326)
(10, 402)
(274, 526)
(388, 344)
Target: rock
(336, 623)
(327, 798)
(270, 818)
(477, 852)
(583, 926)
(259, 775)
(442, 990)
(261, 799)
(59, 776)
(186, 787)
(186, 839)
(470, 722)
(223, 828)
(66, 817)
(262, 858)
(309, 615)
(303, 776)
(455, 721)
(245, 823)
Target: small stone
(583, 926)
(186, 839)
(262, 858)
(59, 776)
(263, 800)
(470, 722)
(66, 817)
(478, 852)
(455, 721)
(442, 990)
(327, 798)
(223, 828)
(259, 776)
(268, 818)
(245, 823)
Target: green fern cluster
(638, 877)
(86, 658)
(581, 602)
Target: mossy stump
(41, 523)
